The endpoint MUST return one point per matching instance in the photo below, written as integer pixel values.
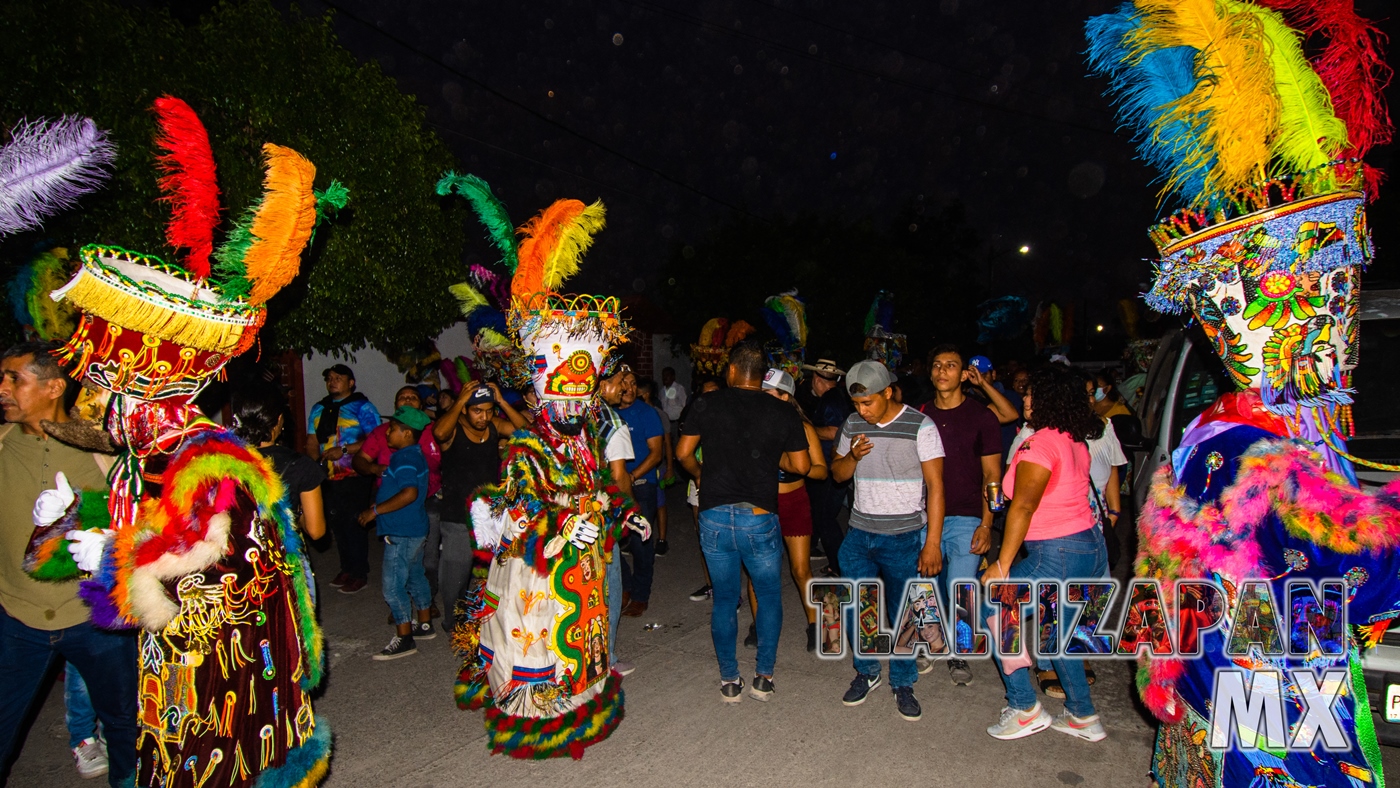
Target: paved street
(395, 722)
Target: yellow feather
(283, 223)
(574, 239)
(1234, 105)
(469, 299)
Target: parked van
(1186, 377)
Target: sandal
(1050, 684)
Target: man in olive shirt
(41, 621)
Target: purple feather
(47, 166)
(492, 284)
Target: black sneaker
(959, 672)
(861, 686)
(907, 704)
(423, 630)
(762, 688)
(702, 593)
(811, 637)
(751, 639)
(662, 547)
(399, 646)
(732, 691)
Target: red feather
(190, 183)
(1351, 65)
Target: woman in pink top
(1048, 482)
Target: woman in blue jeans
(1048, 480)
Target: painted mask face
(1277, 295)
(565, 367)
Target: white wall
(662, 357)
(375, 375)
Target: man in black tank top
(469, 434)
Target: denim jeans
(78, 715)
(404, 578)
(959, 562)
(107, 660)
(613, 579)
(432, 548)
(894, 558)
(732, 538)
(1080, 556)
(455, 565)
(636, 579)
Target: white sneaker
(91, 758)
(924, 664)
(1017, 724)
(1087, 728)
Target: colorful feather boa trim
(537, 738)
(187, 529)
(1184, 540)
(306, 764)
(47, 557)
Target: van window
(1155, 387)
(1202, 381)
(1377, 379)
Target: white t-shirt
(1105, 454)
(619, 445)
(673, 400)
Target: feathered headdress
(553, 242)
(881, 343)
(47, 166)
(152, 329)
(29, 295)
(786, 314)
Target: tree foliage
(837, 269)
(377, 276)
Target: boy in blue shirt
(402, 520)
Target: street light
(1025, 249)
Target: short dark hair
(947, 347)
(255, 412)
(856, 389)
(748, 359)
(44, 365)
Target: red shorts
(795, 513)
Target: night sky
(681, 115)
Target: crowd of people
(877, 474)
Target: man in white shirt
(672, 397)
(617, 442)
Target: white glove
(87, 547)
(51, 504)
(580, 531)
(639, 524)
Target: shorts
(795, 513)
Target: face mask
(1099, 394)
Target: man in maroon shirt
(971, 436)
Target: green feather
(492, 213)
(1310, 134)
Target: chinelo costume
(535, 636)
(710, 355)
(881, 343)
(1265, 149)
(202, 555)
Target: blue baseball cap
(982, 363)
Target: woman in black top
(258, 418)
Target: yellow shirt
(27, 467)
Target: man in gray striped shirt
(895, 455)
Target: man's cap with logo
(778, 379)
(339, 369)
(412, 418)
(479, 395)
(873, 375)
(825, 367)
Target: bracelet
(980, 527)
(1113, 512)
(374, 509)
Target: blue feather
(484, 318)
(19, 293)
(1144, 90)
(777, 321)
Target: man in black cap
(341, 422)
(469, 433)
(827, 406)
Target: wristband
(374, 509)
(1113, 512)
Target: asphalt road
(395, 723)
